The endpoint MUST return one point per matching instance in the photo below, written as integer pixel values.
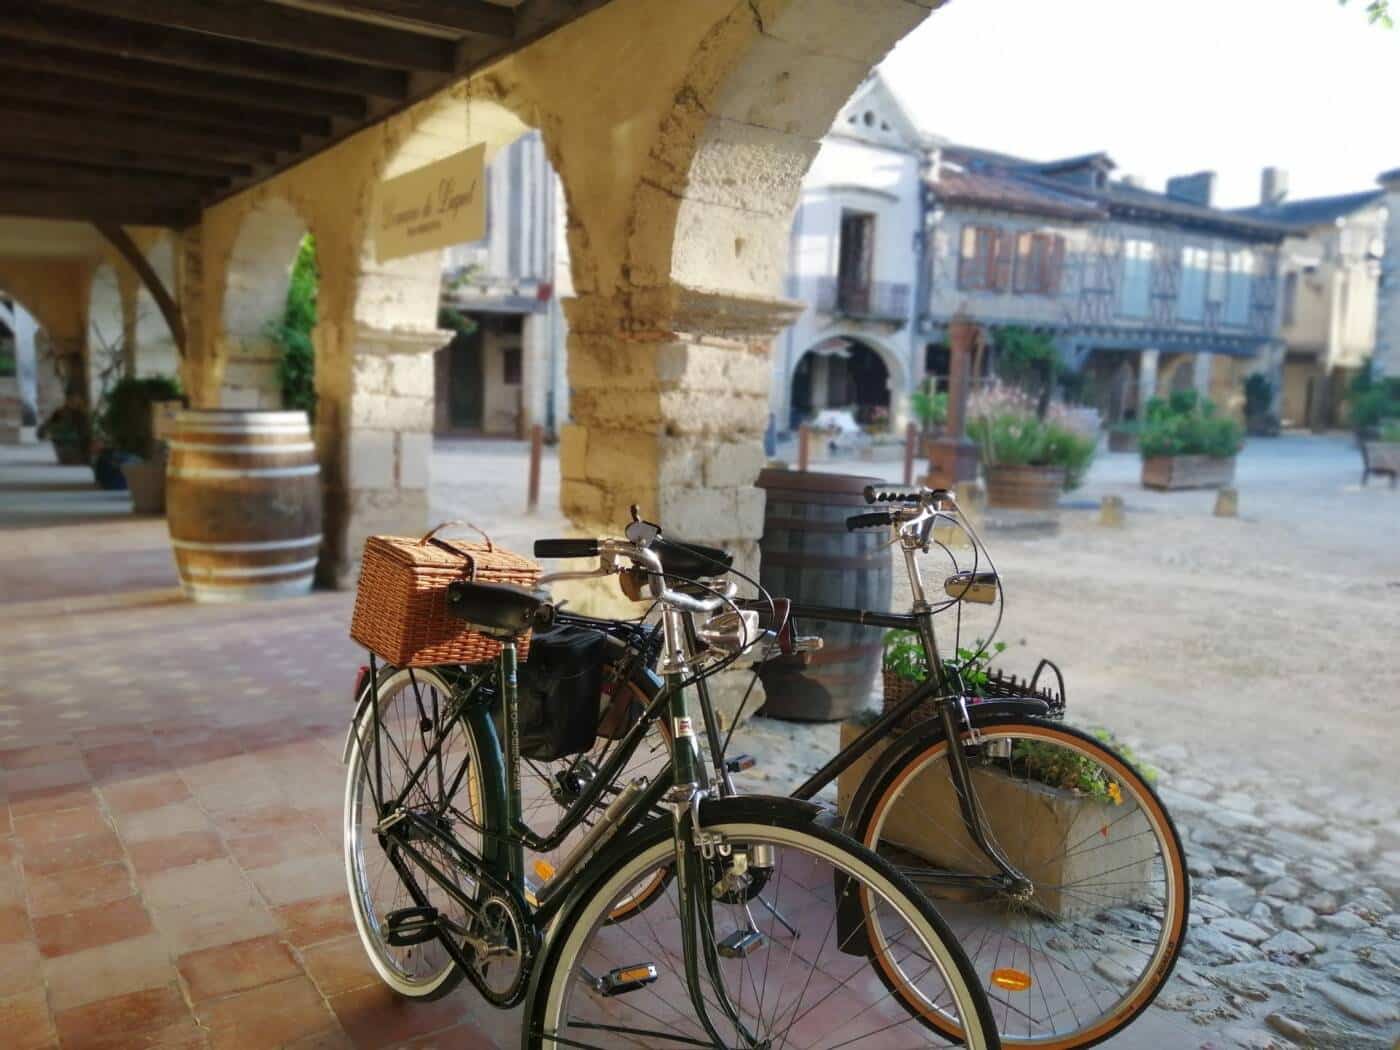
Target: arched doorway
(20, 341)
(842, 374)
(272, 240)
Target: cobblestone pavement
(170, 786)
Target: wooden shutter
(1056, 268)
(1005, 248)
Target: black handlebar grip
(893, 494)
(866, 521)
(584, 548)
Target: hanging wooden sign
(435, 206)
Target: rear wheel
(1078, 952)
(385, 884)
(789, 955)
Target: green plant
(930, 407)
(296, 368)
(1127, 426)
(1061, 767)
(1374, 399)
(904, 657)
(1390, 430)
(69, 424)
(124, 417)
(1258, 396)
(1186, 425)
(1028, 360)
(1013, 439)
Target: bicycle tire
(895, 775)
(783, 824)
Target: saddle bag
(558, 692)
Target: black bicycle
(679, 916)
(1050, 854)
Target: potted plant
(1184, 444)
(930, 408)
(1029, 460)
(1259, 418)
(127, 429)
(1380, 454)
(69, 427)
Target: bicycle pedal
(739, 763)
(740, 944)
(626, 979)
(411, 926)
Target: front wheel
(781, 954)
(1077, 950)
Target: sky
(1165, 87)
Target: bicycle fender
(925, 734)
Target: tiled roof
(1315, 210)
(1010, 193)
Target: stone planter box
(1122, 441)
(1025, 488)
(1187, 472)
(1036, 820)
(1382, 457)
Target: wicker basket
(401, 604)
(897, 690)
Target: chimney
(1198, 188)
(1137, 182)
(1273, 186)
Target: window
(1039, 262)
(1216, 279)
(1191, 298)
(1137, 278)
(510, 366)
(855, 262)
(983, 259)
(1237, 288)
(1290, 296)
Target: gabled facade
(1329, 271)
(854, 260)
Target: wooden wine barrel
(809, 556)
(243, 496)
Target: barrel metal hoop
(234, 545)
(195, 446)
(241, 573)
(876, 559)
(218, 473)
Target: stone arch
(154, 351)
(108, 339)
(256, 278)
(857, 380)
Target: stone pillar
(26, 373)
(1387, 354)
(375, 441)
(1200, 373)
(1147, 380)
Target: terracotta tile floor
(170, 790)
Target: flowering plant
(1004, 424)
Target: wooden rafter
(308, 32)
(69, 175)
(19, 119)
(88, 206)
(469, 17)
(85, 150)
(114, 98)
(27, 20)
(119, 239)
(153, 76)
(170, 133)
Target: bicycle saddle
(500, 610)
(691, 559)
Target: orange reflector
(1012, 980)
(634, 973)
(544, 870)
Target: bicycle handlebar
(871, 520)
(901, 494)
(568, 548)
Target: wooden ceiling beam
(468, 17)
(113, 98)
(28, 20)
(65, 149)
(151, 76)
(59, 174)
(21, 122)
(289, 28)
(35, 203)
(19, 116)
